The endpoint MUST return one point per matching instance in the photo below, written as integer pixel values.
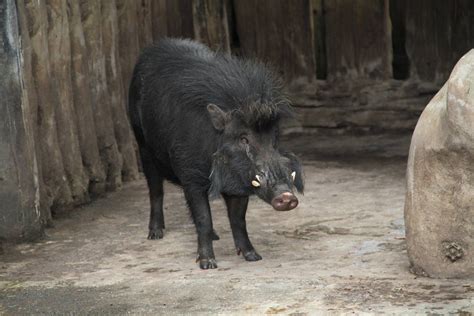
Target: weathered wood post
(129, 46)
(210, 24)
(280, 32)
(101, 103)
(159, 21)
(60, 60)
(54, 176)
(82, 95)
(439, 206)
(123, 132)
(20, 217)
(145, 21)
(30, 91)
(433, 47)
(358, 39)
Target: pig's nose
(285, 202)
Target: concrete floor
(342, 250)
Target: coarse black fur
(209, 122)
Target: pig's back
(174, 81)
(189, 76)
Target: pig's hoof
(214, 235)
(252, 255)
(207, 263)
(156, 233)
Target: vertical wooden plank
(210, 24)
(129, 46)
(400, 62)
(117, 91)
(246, 25)
(358, 39)
(339, 38)
(231, 26)
(299, 40)
(180, 18)
(19, 211)
(159, 19)
(82, 96)
(269, 34)
(173, 19)
(111, 158)
(319, 25)
(29, 92)
(462, 31)
(54, 176)
(434, 47)
(423, 27)
(280, 32)
(60, 59)
(145, 28)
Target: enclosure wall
(349, 65)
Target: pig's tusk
(255, 183)
(293, 175)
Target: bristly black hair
(248, 87)
(266, 103)
(173, 84)
(227, 173)
(261, 115)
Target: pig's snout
(285, 202)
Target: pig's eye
(244, 139)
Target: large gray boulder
(439, 206)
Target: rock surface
(439, 207)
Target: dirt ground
(342, 250)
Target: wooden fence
(65, 137)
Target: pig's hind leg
(155, 187)
(236, 210)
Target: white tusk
(258, 178)
(293, 175)
(255, 183)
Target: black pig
(209, 122)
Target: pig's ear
(299, 181)
(218, 117)
(295, 166)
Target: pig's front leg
(198, 203)
(236, 210)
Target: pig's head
(248, 159)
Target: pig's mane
(248, 87)
(264, 101)
(245, 86)
(258, 114)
